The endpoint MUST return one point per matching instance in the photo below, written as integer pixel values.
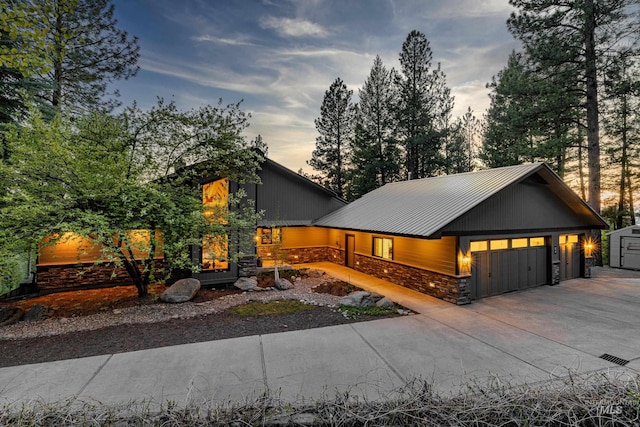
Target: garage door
(630, 252)
(569, 256)
(505, 265)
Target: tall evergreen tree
(459, 152)
(622, 126)
(80, 47)
(336, 128)
(421, 99)
(572, 35)
(375, 157)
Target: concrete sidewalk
(541, 334)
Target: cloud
(220, 40)
(293, 27)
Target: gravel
(160, 312)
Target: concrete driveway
(537, 335)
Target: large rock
(385, 303)
(283, 284)
(37, 312)
(10, 315)
(358, 299)
(181, 291)
(246, 283)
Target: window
(519, 243)
(568, 239)
(479, 246)
(536, 241)
(269, 236)
(499, 244)
(383, 247)
(215, 248)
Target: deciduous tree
(107, 178)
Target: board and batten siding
(524, 206)
(288, 196)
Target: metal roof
(422, 207)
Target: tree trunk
(58, 56)
(593, 137)
(581, 166)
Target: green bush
(13, 272)
(366, 311)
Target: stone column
(588, 263)
(555, 273)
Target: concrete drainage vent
(614, 359)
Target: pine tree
(421, 104)
(336, 128)
(459, 150)
(79, 48)
(570, 39)
(375, 157)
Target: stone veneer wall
(64, 277)
(456, 290)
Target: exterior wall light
(589, 247)
(464, 259)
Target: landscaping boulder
(10, 315)
(385, 303)
(246, 283)
(358, 299)
(181, 291)
(283, 284)
(315, 273)
(37, 312)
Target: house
(458, 237)
(624, 248)
(287, 199)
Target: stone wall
(74, 276)
(456, 290)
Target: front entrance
(350, 248)
(569, 256)
(505, 265)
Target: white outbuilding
(624, 248)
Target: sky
(280, 56)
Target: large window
(269, 236)
(383, 247)
(215, 249)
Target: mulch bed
(123, 338)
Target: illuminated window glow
(499, 244)
(536, 241)
(479, 246)
(215, 249)
(383, 247)
(519, 243)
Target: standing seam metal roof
(422, 207)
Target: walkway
(541, 334)
(413, 300)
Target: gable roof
(423, 207)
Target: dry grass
(595, 400)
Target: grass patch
(366, 311)
(271, 308)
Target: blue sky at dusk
(281, 56)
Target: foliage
(102, 178)
(375, 156)
(335, 126)
(14, 270)
(459, 147)
(74, 45)
(423, 108)
(271, 308)
(569, 43)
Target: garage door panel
(498, 271)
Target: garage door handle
(489, 274)
(529, 268)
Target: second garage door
(505, 265)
